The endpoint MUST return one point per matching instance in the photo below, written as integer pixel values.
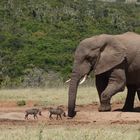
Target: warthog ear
(64, 114)
(110, 56)
(40, 113)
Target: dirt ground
(11, 114)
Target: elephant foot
(104, 108)
(71, 114)
(105, 104)
(127, 109)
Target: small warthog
(56, 111)
(33, 112)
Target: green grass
(113, 132)
(55, 96)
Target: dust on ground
(11, 114)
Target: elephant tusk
(68, 81)
(83, 80)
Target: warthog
(56, 111)
(33, 112)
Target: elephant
(115, 60)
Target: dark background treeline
(38, 37)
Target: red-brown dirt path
(10, 114)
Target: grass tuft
(21, 103)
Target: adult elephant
(115, 60)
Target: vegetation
(54, 96)
(41, 132)
(21, 103)
(38, 37)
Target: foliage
(43, 34)
(21, 103)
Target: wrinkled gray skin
(56, 111)
(115, 60)
(33, 112)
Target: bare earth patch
(87, 114)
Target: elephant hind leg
(129, 102)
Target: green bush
(21, 103)
(44, 34)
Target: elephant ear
(110, 56)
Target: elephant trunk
(72, 94)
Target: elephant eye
(89, 59)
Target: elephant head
(99, 53)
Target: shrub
(21, 103)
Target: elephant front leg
(138, 93)
(129, 102)
(116, 84)
(101, 83)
